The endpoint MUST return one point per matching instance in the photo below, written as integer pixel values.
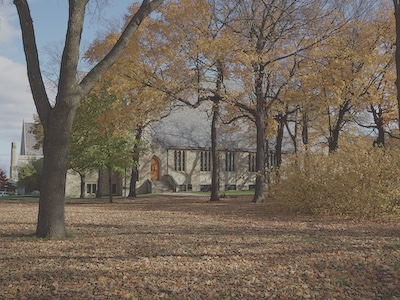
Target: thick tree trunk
(51, 219)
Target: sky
(50, 21)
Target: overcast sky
(49, 17)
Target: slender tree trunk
(334, 131)
(214, 153)
(260, 115)
(100, 179)
(304, 131)
(132, 185)
(279, 139)
(379, 123)
(110, 184)
(214, 143)
(260, 157)
(135, 172)
(82, 195)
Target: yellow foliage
(357, 181)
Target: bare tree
(274, 33)
(57, 119)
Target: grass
(188, 248)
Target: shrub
(357, 180)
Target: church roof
(188, 128)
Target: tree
(3, 179)
(29, 175)
(57, 118)
(170, 75)
(381, 97)
(347, 75)
(273, 34)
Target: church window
(252, 162)
(179, 160)
(229, 161)
(205, 161)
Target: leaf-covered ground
(188, 248)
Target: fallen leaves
(176, 248)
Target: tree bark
(110, 185)
(99, 192)
(82, 194)
(379, 123)
(282, 119)
(132, 185)
(51, 219)
(214, 153)
(334, 131)
(135, 172)
(214, 128)
(260, 158)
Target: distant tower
(13, 165)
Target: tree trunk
(51, 219)
(99, 192)
(304, 132)
(214, 153)
(334, 131)
(379, 123)
(132, 185)
(260, 158)
(110, 184)
(135, 172)
(279, 139)
(82, 195)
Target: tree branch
(94, 75)
(32, 59)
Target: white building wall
(192, 178)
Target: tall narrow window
(252, 162)
(205, 161)
(230, 161)
(179, 160)
(88, 188)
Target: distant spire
(13, 165)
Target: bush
(356, 180)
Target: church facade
(177, 157)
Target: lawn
(188, 248)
